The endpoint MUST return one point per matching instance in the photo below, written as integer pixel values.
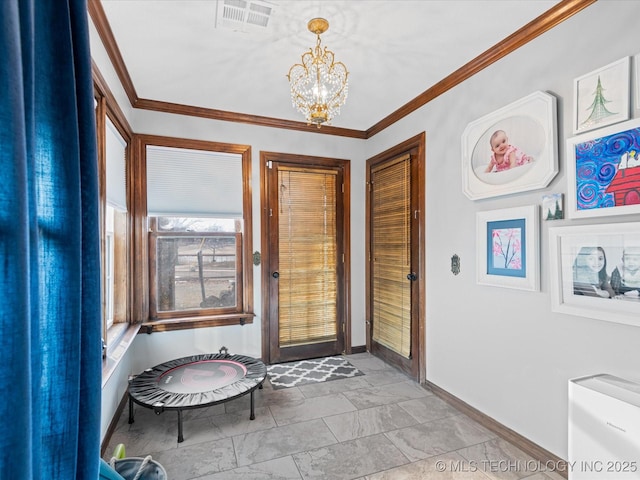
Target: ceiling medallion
(319, 84)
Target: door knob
(275, 274)
(412, 276)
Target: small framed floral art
(507, 248)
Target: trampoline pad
(197, 381)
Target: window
(197, 267)
(113, 148)
(200, 271)
(115, 267)
(108, 283)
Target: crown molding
(181, 109)
(549, 19)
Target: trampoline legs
(130, 410)
(180, 437)
(253, 415)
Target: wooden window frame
(145, 257)
(112, 333)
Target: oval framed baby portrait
(511, 150)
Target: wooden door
(306, 292)
(395, 266)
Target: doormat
(316, 370)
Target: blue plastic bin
(129, 467)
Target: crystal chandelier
(318, 84)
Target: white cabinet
(604, 428)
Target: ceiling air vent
(244, 15)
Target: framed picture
(636, 62)
(595, 271)
(603, 171)
(507, 248)
(601, 97)
(552, 206)
(511, 150)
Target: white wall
(503, 351)
(101, 59)
(114, 390)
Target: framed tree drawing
(601, 97)
(603, 171)
(507, 248)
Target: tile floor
(380, 426)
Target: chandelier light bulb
(319, 84)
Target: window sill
(196, 322)
(117, 349)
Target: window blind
(194, 183)
(116, 148)
(307, 295)
(391, 251)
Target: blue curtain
(50, 355)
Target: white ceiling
(394, 50)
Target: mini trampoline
(195, 382)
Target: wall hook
(455, 264)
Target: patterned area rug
(303, 372)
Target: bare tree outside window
(197, 264)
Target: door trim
(303, 160)
(415, 145)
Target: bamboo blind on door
(307, 296)
(391, 254)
